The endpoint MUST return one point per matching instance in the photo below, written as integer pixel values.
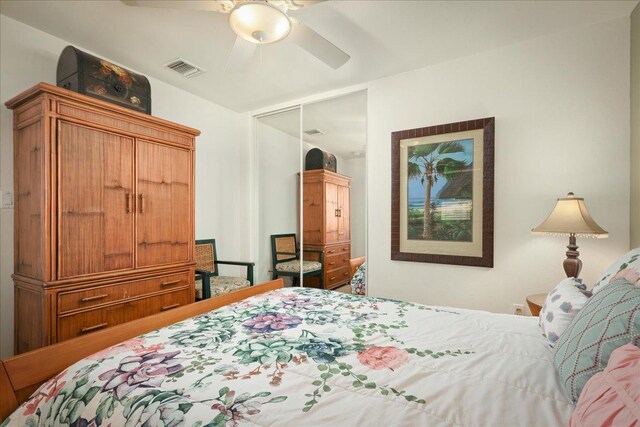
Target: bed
(273, 356)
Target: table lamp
(571, 218)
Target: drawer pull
(129, 202)
(93, 328)
(332, 251)
(169, 307)
(173, 282)
(332, 278)
(346, 273)
(97, 297)
(331, 263)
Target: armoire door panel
(164, 195)
(29, 218)
(331, 212)
(95, 180)
(313, 212)
(344, 220)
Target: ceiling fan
(259, 22)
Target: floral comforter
(308, 357)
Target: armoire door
(331, 212)
(95, 201)
(164, 204)
(344, 222)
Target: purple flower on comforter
(301, 303)
(145, 370)
(272, 321)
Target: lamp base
(572, 265)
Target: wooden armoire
(104, 215)
(326, 222)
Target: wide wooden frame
(486, 260)
(21, 375)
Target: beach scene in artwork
(440, 191)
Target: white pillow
(561, 306)
(627, 267)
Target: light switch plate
(7, 199)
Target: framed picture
(442, 193)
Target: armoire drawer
(74, 300)
(333, 262)
(74, 325)
(336, 276)
(337, 249)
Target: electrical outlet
(517, 309)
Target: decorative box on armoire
(326, 222)
(104, 215)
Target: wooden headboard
(21, 375)
(354, 263)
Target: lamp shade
(259, 22)
(570, 216)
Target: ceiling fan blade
(207, 5)
(241, 55)
(317, 45)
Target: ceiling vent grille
(314, 132)
(185, 68)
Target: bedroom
(556, 77)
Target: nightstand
(535, 303)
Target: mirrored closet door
(311, 192)
(278, 149)
(334, 186)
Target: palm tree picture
(440, 187)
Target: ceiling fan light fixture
(259, 22)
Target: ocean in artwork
(443, 174)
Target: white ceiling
(382, 37)
(342, 120)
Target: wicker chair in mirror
(208, 281)
(286, 259)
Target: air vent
(314, 132)
(185, 68)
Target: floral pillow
(560, 307)
(359, 281)
(626, 267)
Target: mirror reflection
(334, 188)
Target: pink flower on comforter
(383, 357)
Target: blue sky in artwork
(416, 189)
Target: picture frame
(442, 193)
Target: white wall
(635, 128)
(561, 104)
(29, 56)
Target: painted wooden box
(86, 74)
